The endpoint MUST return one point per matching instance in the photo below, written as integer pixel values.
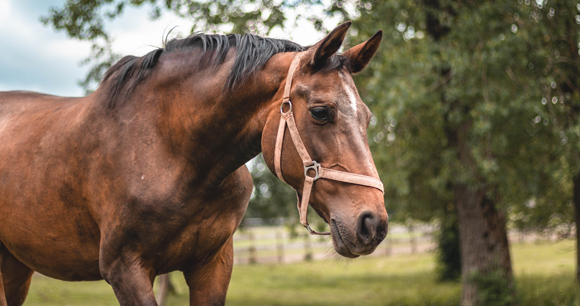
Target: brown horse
(146, 175)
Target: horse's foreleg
(2, 293)
(208, 285)
(131, 281)
(14, 279)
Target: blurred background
(475, 134)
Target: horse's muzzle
(369, 232)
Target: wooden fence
(275, 244)
(256, 243)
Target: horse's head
(316, 141)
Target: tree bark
(576, 181)
(484, 244)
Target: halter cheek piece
(312, 169)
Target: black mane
(252, 53)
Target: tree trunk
(486, 265)
(486, 271)
(576, 180)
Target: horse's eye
(320, 113)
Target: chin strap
(312, 169)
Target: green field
(544, 276)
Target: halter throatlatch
(312, 169)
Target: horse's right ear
(360, 55)
(328, 46)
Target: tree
(457, 99)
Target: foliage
(271, 197)
(493, 288)
(550, 31)
(482, 53)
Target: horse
(147, 174)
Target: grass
(360, 282)
(544, 276)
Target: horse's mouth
(339, 245)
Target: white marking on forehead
(349, 91)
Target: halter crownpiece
(312, 169)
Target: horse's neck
(216, 132)
(242, 116)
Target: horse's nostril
(367, 227)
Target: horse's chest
(206, 229)
(200, 239)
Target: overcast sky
(35, 57)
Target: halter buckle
(316, 167)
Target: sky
(37, 58)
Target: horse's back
(24, 94)
(29, 118)
(12, 98)
(20, 105)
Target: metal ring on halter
(289, 107)
(313, 232)
(316, 167)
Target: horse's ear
(327, 47)
(360, 55)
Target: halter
(312, 169)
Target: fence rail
(275, 244)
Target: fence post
(252, 249)
(307, 248)
(387, 247)
(413, 240)
(280, 246)
(165, 288)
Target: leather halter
(312, 169)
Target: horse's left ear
(360, 55)
(327, 47)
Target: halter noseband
(312, 169)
